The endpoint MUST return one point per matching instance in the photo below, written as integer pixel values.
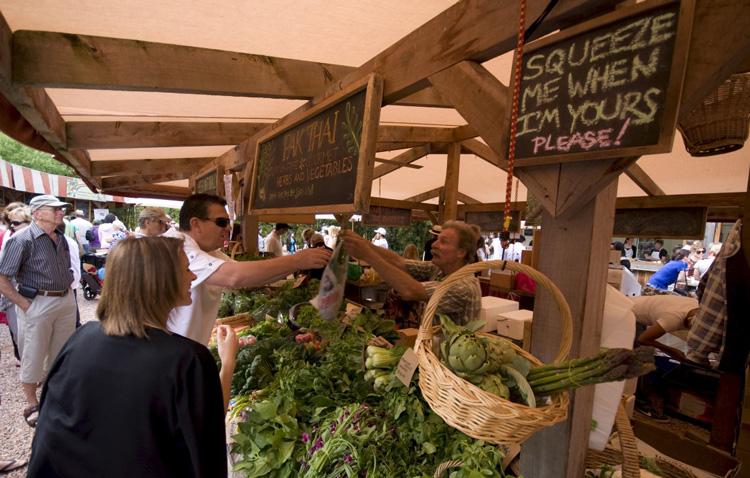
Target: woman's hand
(227, 343)
(355, 245)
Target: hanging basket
(470, 409)
(720, 124)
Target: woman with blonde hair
(125, 397)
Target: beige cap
(151, 212)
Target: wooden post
(574, 251)
(451, 182)
(250, 234)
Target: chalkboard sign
(668, 222)
(206, 183)
(387, 216)
(605, 88)
(322, 161)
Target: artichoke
(500, 351)
(493, 383)
(466, 353)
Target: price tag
(407, 366)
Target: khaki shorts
(42, 331)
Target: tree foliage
(17, 153)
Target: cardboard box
(614, 257)
(407, 337)
(501, 279)
(491, 308)
(698, 455)
(510, 324)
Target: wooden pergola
(444, 63)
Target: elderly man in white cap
(38, 258)
(379, 239)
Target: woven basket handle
(425, 327)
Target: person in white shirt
(75, 269)
(517, 248)
(273, 244)
(379, 239)
(701, 267)
(204, 226)
(81, 227)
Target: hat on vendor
(46, 200)
(380, 231)
(436, 229)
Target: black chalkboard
(605, 88)
(323, 161)
(387, 216)
(668, 222)
(492, 221)
(206, 183)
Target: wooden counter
(643, 270)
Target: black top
(130, 407)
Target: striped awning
(30, 180)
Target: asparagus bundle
(609, 365)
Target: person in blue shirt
(661, 280)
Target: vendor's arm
(390, 266)
(649, 337)
(257, 273)
(227, 344)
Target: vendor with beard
(417, 280)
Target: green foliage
(17, 153)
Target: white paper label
(407, 366)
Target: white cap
(380, 231)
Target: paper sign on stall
(407, 366)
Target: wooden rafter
(38, 110)
(419, 134)
(146, 134)
(63, 60)
(480, 98)
(466, 199)
(400, 165)
(644, 181)
(120, 182)
(158, 191)
(474, 146)
(406, 157)
(142, 167)
(421, 206)
(425, 196)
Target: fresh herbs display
(267, 301)
(318, 401)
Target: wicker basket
(720, 124)
(628, 455)
(468, 408)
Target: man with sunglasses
(204, 226)
(38, 258)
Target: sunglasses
(219, 221)
(700, 251)
(18, 223)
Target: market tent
(90, 88)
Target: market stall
(448, 61)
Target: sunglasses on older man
(18, 223)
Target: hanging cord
(514, 111)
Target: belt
(53, 293)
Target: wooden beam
(64, 60)
(683, 200)
(718, 23)
(464, 132)
(420, 206)
(120, 182)
(138, 167)
(406, 157)
(452, 172)
(38, 110)
(427, 195)
(473, 146)
(477, 30)
(154, 191)
(558, 451)
(417, 134)
(644, 181)
(490, 207)
(400, 165)
(480, 98)
(137, 134)
(380, 147)
(466, 199)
